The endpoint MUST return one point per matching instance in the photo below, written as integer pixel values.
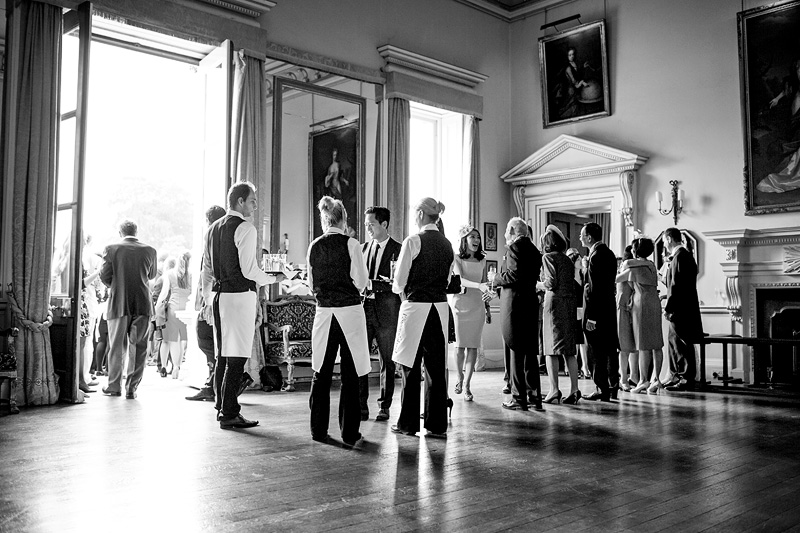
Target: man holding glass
(381, 306)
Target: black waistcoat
(225, 257)
(427, 278)
(329, 259)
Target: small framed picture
(491, 265)
(490, 236)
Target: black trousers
(101, 346)
(433, 351)
(524, 375)
(385, 336)
(320, 399)
(682, 357)
(227, 380)
(205, 340)
(605, 370)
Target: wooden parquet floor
(681, 462)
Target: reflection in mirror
(324, 143)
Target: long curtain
(604, 219)
(399, 125)
(472, 154)
(35, 44)
(249, 157)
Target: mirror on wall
(323, 143)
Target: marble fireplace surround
(755, 260)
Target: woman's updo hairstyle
(331, 212)
(643, 247)
(430, 208)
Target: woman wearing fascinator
(560, 309)
(468, 307)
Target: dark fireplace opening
(777, 317)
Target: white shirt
(408, 252)
(246, 240)
(368, 253)
(358, 271)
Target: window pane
(60, 271)
(66, 161)
(69, 73)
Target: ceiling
(511, 10)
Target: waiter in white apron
(422, 274)
(231, 277)
(337, 275)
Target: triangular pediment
(568, 157)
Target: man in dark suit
(127, 267)
(518, 303)
(683, 312)
(381, 306)
(600, 313)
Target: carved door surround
(576, 175)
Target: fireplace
(777, 316)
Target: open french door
(68, 242)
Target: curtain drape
(249, 157)
(472, 154)
(604, 219)
(399, 126)
(31, 156)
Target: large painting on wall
(769, 66)
(574, 73)
(334, 155)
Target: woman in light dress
(639, 278)
(469, 310)
(628, 354)
(175, 291)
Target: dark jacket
(128, 267)
(519, 306)
(387, 303)
(683, 305)
(599, 295)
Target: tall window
(437, 167)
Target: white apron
(237, 313)
(410, 324)
(354, 325)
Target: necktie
(373, 261)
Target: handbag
(162, 307)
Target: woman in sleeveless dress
(175, 291)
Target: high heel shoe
(641, 388)
(623, 386)
(655, 387)
(459, 387)
(450, 407)
(573, 398)
(163, 372)
(467, 395)
(554, 398)
(175, 373)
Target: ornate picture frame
(769, 72)
(490, 236)
(573, 67)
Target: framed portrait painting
(769, 70)
(574, 73)
(490, 236)
(334, 155)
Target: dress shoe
(86, 390)
(246, 382)
(396, 429)
(599, 396)
(111, 392)
(351, 442)
(506, 390)
(130, 395)
(614, 392)
(321, 438)
(573, 398)
(514, 405)
(364, 415)
(551, 398)
(237, 422)
(432, 435)
(383, 415)
(683, 386)
(205, 394)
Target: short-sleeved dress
(468, 308)
(175, 328)
(560, 307)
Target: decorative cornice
(251, 8)
(618, 161)
(320, 62)
(411, 63)
(515, 13)
(748, 237)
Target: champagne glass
(491, 274)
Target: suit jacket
(127, 268)
(599, 296)
(519, 306)
(387, 303)
(682, 302)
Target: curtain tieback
(24, 321)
